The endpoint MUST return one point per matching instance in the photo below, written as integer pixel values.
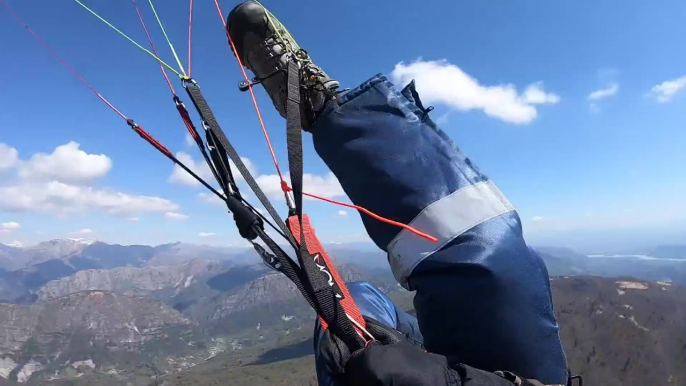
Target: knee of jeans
(373, 303)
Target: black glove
(398, 364)
(394, 360)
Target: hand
(398, 364)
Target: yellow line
(132, 41)
(164, 32)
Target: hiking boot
(265, 46)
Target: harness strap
(211, 124)
(330, 290)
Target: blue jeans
(482, 295)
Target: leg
(483, 296)
(374, 304)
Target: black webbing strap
(186, 118)
(218, 154)
(289, 268)
(208, 118)
(307, 277)
(325, 296)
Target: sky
(574, 109)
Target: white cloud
(174, 216)
(16, 244)
(342, 213)
(534, 94)
(181, 177)
(664, 91)
(67, 163)
(84, 231)
(59, 197)
(206, 234)
(325, 186)
(10, 226)
(442, 82)
(608, 91)
(56, 183)
(133, 219)
(8, 157)
(443, 119)
(188, 140)
(537, 218)
(210, 198)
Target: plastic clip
(268, 259)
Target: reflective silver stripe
(445, 219)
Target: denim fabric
(484, 297)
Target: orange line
(376, 216)
(252, 94)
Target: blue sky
(575, 110)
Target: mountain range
(615, 333)
(79, 312)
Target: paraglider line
(132, 41)
(64, 63)
(190, 34)
(152, 46)
(164, 32)
(284, 185)
(138, 129)
(252, 95)
(375, 216)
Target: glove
(403, 364)
(398, 364)
(392, 359)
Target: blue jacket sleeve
(482, 295)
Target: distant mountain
(267, 298)
(60, 258)
(55, 249)
(623, 332)
(95, 331)
(12, 258)
(364, 255)
(131, 280)
(177, 253)
(615, 333)
(12, 289)
(669, 252)
(563, 261)
(566, 262)
(110, 338)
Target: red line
(65, 64)
(152, 45)
(252, 94)
(376, 216)
(187, 121)
(190, 34)
(151, 140)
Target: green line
(167, 37)
(131, 40)
(269, 15)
